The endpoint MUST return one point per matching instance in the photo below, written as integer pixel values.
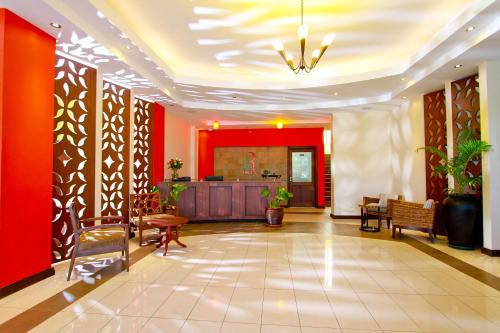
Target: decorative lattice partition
(115, 149)
(74, 147)
(143, 153)
(465, 112)
(435, 135)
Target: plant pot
(463, 221)
(172, 210)
(274, 216)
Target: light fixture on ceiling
(127, 47)
(469, 29)
(403, 79)
(55, 25)
(458, 65)
(335, 94)
(404, 97)
(279, 125)
(316, 54)
(215, 125)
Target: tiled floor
(275, 282)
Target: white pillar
(489, 83)
(98, 144)
(449, 127)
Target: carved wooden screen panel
(465, 111)
(115, 149)
(74, 150)
(435, 135)
(143, 154)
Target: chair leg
(430, 236)
(388, 223)
(393, 231)
(140, 236)
(399, 232)
(72, 263)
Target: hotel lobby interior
(314, 166)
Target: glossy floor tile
(275, 282)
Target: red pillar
(27, 58)
(158, 143)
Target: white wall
(489, 81)
(178, 143)
(361, 158)
(408, 166)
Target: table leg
(176, 239)
(168, 237)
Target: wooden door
(302, 176)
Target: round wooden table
(170, 224)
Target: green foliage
(175, 191)
(468, 149)
(282, 195)
(153, 189)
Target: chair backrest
(144, 204)
(73, 214)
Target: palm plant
(468, 150)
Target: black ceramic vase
(463, 222)
(274, 216)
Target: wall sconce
(215, 125)
(279, 125)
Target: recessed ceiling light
(128, 47)
(55, 25)
(403, 79)
(469, 29)
(335, 94)
(404, 97)
(458, 65)
(279, 125)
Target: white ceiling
(214, 59)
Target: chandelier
(316, 54)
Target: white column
(131, 144)
(489, 84)
(98, 144)
(193, 160)
(449, 127)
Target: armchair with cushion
(416, 216)
(98, 239)
(379, 208)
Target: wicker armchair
(145, 207)
(411, 215)
(98, 239)
(375, 210)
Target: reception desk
(223, 200)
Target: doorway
(302, 176)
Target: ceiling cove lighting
(279, 125)
(215, 125)
(316, 54)
(55, 25)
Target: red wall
(296, 137)
(158, 143)
(27, 59)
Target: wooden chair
(98, 239)
(145, 207)
(411, 215)
(375, 210)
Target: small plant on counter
(175, 164)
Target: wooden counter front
(223, 201)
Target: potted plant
(462, 210)
(169, 205)
(274, 211)
(175, 164)
(265, 173)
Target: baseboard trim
(344, 217)
(491, 253)
(21, 284)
